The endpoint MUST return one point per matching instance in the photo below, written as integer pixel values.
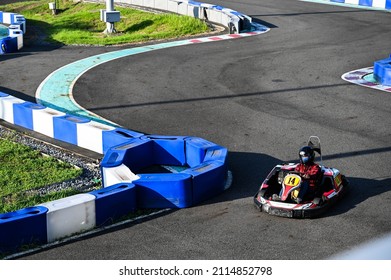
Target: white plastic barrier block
(161, 4)
(7, 107)
(137, 2)
(43, 120)
(379, 4)
(215, 16)
(70, 215)
(14, 31)
(7, 18)
(353, 2)
(130, 2)
(117, 175)
(149, 3)
(172, 6)
(182, 7)
(89, 135)
(225, 19)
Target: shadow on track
(220, 97)
(17, 94)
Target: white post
(110, 25)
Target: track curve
(261, 97)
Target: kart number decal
(338, 179)
(292, 180)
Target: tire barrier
(381, 4)
(138, 171)
(382, 71)
(16, 28)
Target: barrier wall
(23, 227)
(79, 131)
(114, 202)
(198, 171)
(16, 27)
(235, 21)
(69, 215)
(202, 171)
(381, 4)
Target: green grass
(22, 169)
(79, 23)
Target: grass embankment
(79, 23)
(23, 169)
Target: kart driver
(309, 171)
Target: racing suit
(310, 175)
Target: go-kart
(279, 191)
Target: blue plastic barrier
(114, 202)
(23, 114)
(365, 3)
(19, 21)
(118, 136)
(208, 179)
(196, 149)
(164, 190)
(204, 175)
(382, 71)
(22, 227)
(216, 153)
(17, 27)
(167, 150)
(136, 154)
(65, 128)
(8, 44)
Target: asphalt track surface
(261, 97)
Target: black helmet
(307, 155)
